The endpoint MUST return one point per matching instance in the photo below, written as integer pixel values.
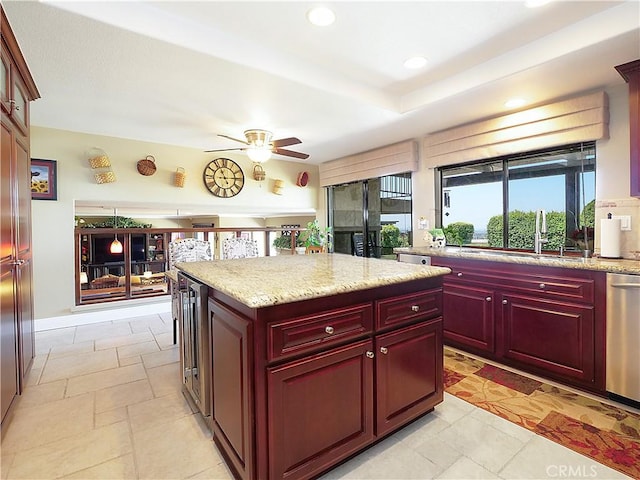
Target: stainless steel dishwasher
(623, 337)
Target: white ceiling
(180, 72)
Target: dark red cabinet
(546, 320)
(631, 73)
(299, 387)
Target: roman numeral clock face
(223, 177)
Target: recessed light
(415, 63)
(321, 16)
(515, 102)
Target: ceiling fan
(259, 146)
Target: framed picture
(44, 179)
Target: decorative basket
(105, 177)
(147, 166)
(259, 173)
(101, 161)
(179, 178)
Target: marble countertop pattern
(599, 264)
(266, 281)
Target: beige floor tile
(47, 339)
(105, 379)
(73, 454)
(218, 472)
(101, 331)
(121, 468)
(542, 458)
(48, 423)
(34, 376)
(165, 340)
(80, 364)
(503, 425)
(150, 414)
(160, 456)
(39, 361)
(137, 349)
(73, 349)
(162, 357)
(465, 468)
(6, 459)
(145, 323)
(482, 443)
(111, 416)
(34, 395)
(123, 395)
(165, 380)
(122, 340)
(129, 360)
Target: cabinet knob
(384, 350)
(542, 285)
(415, 308)
(504, 302)
(488, 299)
(459, 274)
(328, 329)
(370, 354)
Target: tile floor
(104, 402)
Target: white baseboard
(104, 312)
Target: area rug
(608, 434)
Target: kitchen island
(316, 357)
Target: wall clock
(223, 177)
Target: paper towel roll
(610, 236)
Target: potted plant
(283, 242)
(314, 236)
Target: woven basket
(105, 177)
(179, 178)
(259, 173)
(101, 161)
(147, 166)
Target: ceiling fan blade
(225, 150)
(234, 139)
(290, 153)
(285, 142)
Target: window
(494, 203)
(378, 209)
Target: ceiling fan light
(259, 155)
(321, 16)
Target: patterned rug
(608, 434)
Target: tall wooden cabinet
(631, 73)
(17, 89)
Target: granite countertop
(265, 281)
(525, 258)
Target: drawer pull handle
(370, 354)
(504, 302)
(384, 350)
(328, 329)
(459, 274)
(542, 285)
(415, 308)
(488, 299)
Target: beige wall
(53, 221)
(612, 178)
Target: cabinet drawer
(546, 286)
(314, 332)
(408, 308)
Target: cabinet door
(554, 336)
(320, 410)
(9, 339)
(469, 319)
(408, 374)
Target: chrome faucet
(541, 230)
